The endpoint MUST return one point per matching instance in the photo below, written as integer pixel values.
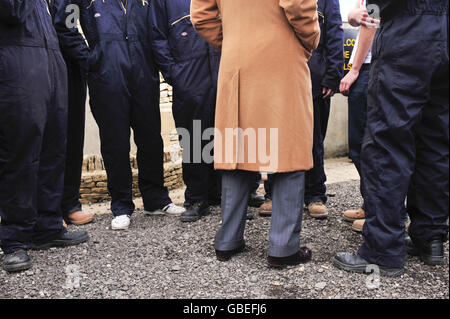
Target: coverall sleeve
(334, 46)
(160, 38)
(15, 11)
(205, 17)
(71, 41)
(303, 17)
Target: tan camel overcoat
(264, 84)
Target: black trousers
(405, 150)
(75, 139)
(194, 115)
(125, 96)
(33, 126)
(315, 189)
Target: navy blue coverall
(327, 69)
(406, 146)
(33, 125)
(75, 52)
(124, 92)
(191, 66)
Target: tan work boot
(358, 225)
(318, 210)
(354, 214)
(266, 209)
(79, 218)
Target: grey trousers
(287, 208)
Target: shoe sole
(120, 228)
(357, 229)
(385, 272)
(61, 243)
(18, 267)
(265, 214)
(237, 252)
(80, 223)
(162, 213)
(318, 216)
(426, 259)
(432, 260)
(190, 219)
(283, 266)
(351, 220)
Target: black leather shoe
(355, 263)
(226, 255)
(302, 256)
(250, 215)
(214, 201)
(255, 200)
(17, 261)
(65, 240)
(431, 253)
(195, 212)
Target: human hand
(360, 16)
(327, 93)
(348, 81)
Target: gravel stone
(320, 285)
(160, 257)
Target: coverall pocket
(410, 70)
(181, 36)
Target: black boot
(355, 263)
(195, 212)
(17, 261)
(255, 200)
(431, 253)
(227, 255)
(65, 240)
(304, 255)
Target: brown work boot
(318, 210)
(266, 209)
(354, 214)
(79, 218)
(358, 225)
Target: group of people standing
(233, 65)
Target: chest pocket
(102, 17)
(184, 41)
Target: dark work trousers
(406, 146)
(357, 115)
(194, 114)
(116, 109)
(75, 138)
(315, 190)
(33, 125)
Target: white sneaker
(169, 210)
(121, 222)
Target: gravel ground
(159, 257)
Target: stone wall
(94, 180)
